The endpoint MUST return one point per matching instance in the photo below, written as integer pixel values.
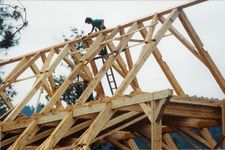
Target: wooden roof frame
(103, 119)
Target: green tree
(13, 19)
(75, 90)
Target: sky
(48, 20)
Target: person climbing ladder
(98, 25)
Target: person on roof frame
(96, 24)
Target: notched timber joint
(160, 104)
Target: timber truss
(119, 118)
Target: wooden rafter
(119, 118)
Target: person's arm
(91, 30)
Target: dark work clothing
(98, 23)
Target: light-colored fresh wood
(58, 133)
(151, 29)
(129, 61)
(121, 127)
(169, 141)
(118, 144)
(196, 137)
(87, 137)
(25, 137)
(119, 117)
(156, 127)
(208, 136)
(106, 66)
(6, 100)
(199, 45)
(223, 122)
(147, 109)
(146, 52)
(132, 144)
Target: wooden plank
(32, 129)
(69, 132)
(118, 144)
(129, 61)
(169, 141)
(173, 109)
(161, 104)
(165, 68)
(6, 100)
(192, 112)
(147, 110)
(196, 101)
(146, 52)
(187, 140)
(105, 67)
(18, 66)
(14, 73)
(156, 128)
(8, 141)
(87, 73)
(88, 108)
(121, 63)
(132, 144)
(223, 121)
(79, 127)
(77, 40)
(123, 68)
(168, 73)
(46, 62)
(22, 68)
(96, 47)
(41, 135)
(208, 137)
(25, 137)
(36, 86)
(151, 29)
(122, 135)
(122, 102)
(121, 127)
(195, 137)
(191, 122)
(58, 132)
(183, 40)
(62, 88)
(45, 84)
(88, 136)
(199, 45)
(119, 119)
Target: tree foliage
(8, 91)
(74, 91)
(13, 19)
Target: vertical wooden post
(223, 122)
(156, 127)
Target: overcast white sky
(48, 20)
